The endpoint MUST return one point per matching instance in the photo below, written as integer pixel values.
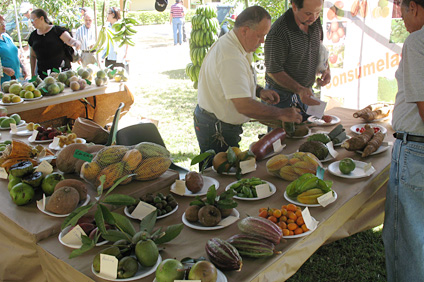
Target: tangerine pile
(289, 218)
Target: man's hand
(306, 97)
(270, 96)
(325, 78)
(8, 71)
(290, 115)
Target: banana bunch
(204, 31)
(308, 188)
(104, 40)
(124, 30)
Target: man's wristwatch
(258, 91)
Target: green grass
(171, 100)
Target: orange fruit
(291, 233)
(300, 221)
(284, 207)
(292, 226)
(263, 209)
(284, 211)
(298, 213)
(291, 207)
(298, 231)
(273, 218)
(292, 215)
(286, 232)
(277, 213)
(283, 218)
(263, 214)
(304, 228)
(290, 221)
(282, 224)
(270, 211)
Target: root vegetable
(359, 142)
(373, 144)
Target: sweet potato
(373, 144)
(360, 141)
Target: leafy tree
(275, 8)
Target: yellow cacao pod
(112, 172)
(110, 155)
(152, 168)
(90, 171)
(132, 159)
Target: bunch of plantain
(124, 30)
(203, 35)
(308, 188)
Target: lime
(347, 165)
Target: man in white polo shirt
(227, 85)
(87, 36)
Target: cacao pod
(110, 155)
(112, 172)
(152, 168)
(261, 227)
(252, 246)
(132, 159)
(151, 150)
(90, 171)
(223, 255)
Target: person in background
(403, 224)
(87, 36)
(47, 49)
(292, 52)
(117, 56)
(183, 29)
(8, 54)
(25, 10)
(176, 18)
(228, 86)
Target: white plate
(269, 155)
(219, 278)
(61, 215)
(65, 231)
(300, 235)
(10, 104)
(300, 137)
(293, 201)
(33, 99)
(328, 158)
(320, 122)
(39, 141)
(358, 172)
(142, 272)
(21, 123)
(24, 132)
(354, 127)
(199, 226)
(207, 182)
(58, 148)
(232, 171)
(380, 149)
(271, 186)
(127, 213)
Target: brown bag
(90, 131)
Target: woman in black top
(47, 45)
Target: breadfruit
(315, 147)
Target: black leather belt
(413, 138)
(88, 51)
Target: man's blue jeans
(209, 130)
(287, 100)
(403, 233)
(177, 26)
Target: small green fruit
(21, 194)
(347, 165)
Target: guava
(6, 122)
(347, 165)
(22, 194)
(170, 270)
(16, 117)
(204, 271)
(50, 181)
(12, 182)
